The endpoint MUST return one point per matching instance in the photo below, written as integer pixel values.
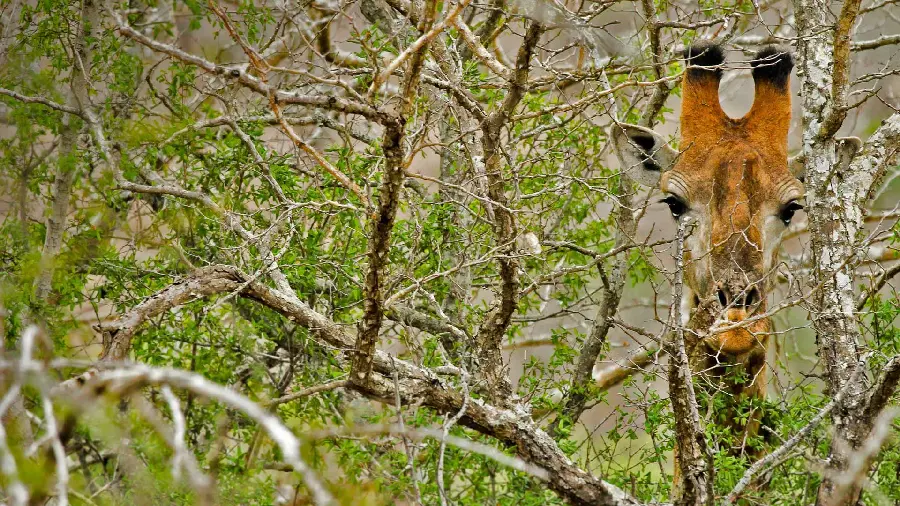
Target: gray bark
(836, 196)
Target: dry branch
(511, 427)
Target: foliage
(258, 202)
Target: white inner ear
(644, 154)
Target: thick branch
(840, 82)
(388, 202)
(692, 455)
(511, 427)
(882, 392)
(491, 333)
(427, 323)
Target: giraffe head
(732, 181)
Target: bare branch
(480, 51)
(866, 45)
(41, 100)
(634, 363)
(306, 392)
(878, 284)
(123, 380)
(318, 157)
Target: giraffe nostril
(723, 297)
(752, 297)
(738, 299)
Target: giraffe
(732, 179)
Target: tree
(382, 252)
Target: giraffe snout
(739, 300)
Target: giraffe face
(739, 204)
(731, 183)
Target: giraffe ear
(847, 147)
(797, 166)
(645, 153)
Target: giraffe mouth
(741, 339)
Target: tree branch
(508, 426)
(492, 330)
(692, 455)
(877, 154)
(388, 201)
(41, 100)
(480, 51)
(840, 78)
(883, 390)
(884, 40)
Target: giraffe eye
(787, 212)
(676, 205)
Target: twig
(41, 100)
(306, 392)
(445, 431)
